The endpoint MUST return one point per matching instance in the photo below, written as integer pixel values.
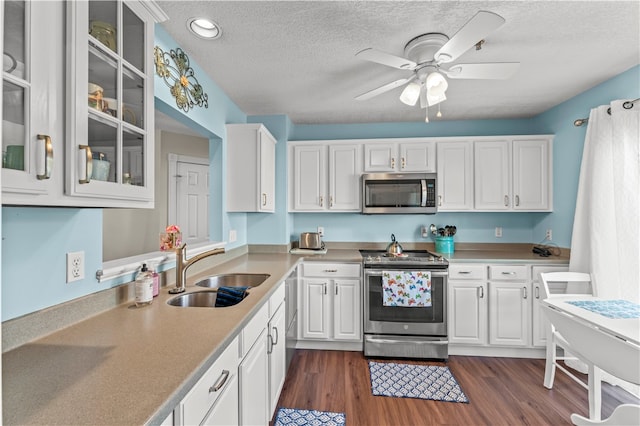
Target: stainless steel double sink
(207, 298)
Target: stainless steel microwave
(399, 193)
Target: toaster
(310, 240)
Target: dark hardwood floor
(501, 391)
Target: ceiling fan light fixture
(435, 98)
(204, 28)
(410, 94)
(436, 83)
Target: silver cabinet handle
(508, 273)
(393, 163)
(524, 292)
(275, 341)
(88, 167)
(330, 200)
(481, 292)
(264, 199)
(325, 288)
(336, 290)
(464, 272)
(220, 382)
(47, 157)
(321, 201)
(330, 270)
(439, 200)
(517, 200)
(506, 200)
(537, 292)
(403, 163)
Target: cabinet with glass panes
(110, 109)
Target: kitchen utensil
(394, 248)
(433, 229)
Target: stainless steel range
(405, 331)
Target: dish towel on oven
(410, 289)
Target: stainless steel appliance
(310, 240)
(406, 332)
(291, 314)
(393, 193)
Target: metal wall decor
(174, 68)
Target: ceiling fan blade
(471, 33)
(488, 71)
(387, 59)
(380, 90)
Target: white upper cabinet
(251, 168)
(33, 96)
(455, 175)
(513, 174)
(408, 155)
(324, 176)
(110, 72)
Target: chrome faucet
(182, 264)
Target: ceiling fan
(426, 54)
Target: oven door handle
(413, 342)
(378, 272)
(423, 184)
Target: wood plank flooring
(501, 391)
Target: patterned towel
(229, 296)
(615, 309)
(410, 289)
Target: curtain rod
(627, 105)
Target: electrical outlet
(75, 266)
(549, 235)
(233, 235)
(499, 231)
(321, 231)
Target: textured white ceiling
(297, 57)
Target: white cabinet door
(251, 165)
(345, 167)
(315, 308)
(267, 171)
(509, 313)
(346, 309)
(308, 177)
(116, 64)
(277, 356)
(417, 157)
(380, 157)
(492, 163)
(468, 312)
(224, 411)
(531, 175)
(33, 102)
(254, 384)
(455, 175)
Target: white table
(611, 345)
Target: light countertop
(133, 365)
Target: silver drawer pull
(275, 340)
(330, 270)
(537, 293)
(508, 273)
(45, 157)
(481, 292)
(525, 292)
(221, 381)
(464, 272)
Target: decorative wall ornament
(174, 68)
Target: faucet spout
(182, 264)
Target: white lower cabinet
(254, 381)
(209, 399)
(496, 305)
(276, 351)
(331, 302)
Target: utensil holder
(444, 245)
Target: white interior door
(192, 198)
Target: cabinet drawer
(536, 270)
(253, 329)
(508, 272)
(211, 385)
(467, 272)
(331, 269)
(276, 299)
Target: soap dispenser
(144, 287)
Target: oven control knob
(406, 327)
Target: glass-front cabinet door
(110, 113)
(32, 94)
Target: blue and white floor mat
(293, 416)
(415, 381)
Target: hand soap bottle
(144, 287)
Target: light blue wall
(35, 240)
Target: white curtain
(606, 228)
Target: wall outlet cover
(75, 266)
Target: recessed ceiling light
(204, 28)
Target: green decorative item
(174, 68)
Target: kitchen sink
(233, 280)
(198, 299)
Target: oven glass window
(393, 193)
(378, 312)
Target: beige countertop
(133, 365)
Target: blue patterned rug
(292, 416)
(415, 381)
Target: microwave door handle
(423, 184)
